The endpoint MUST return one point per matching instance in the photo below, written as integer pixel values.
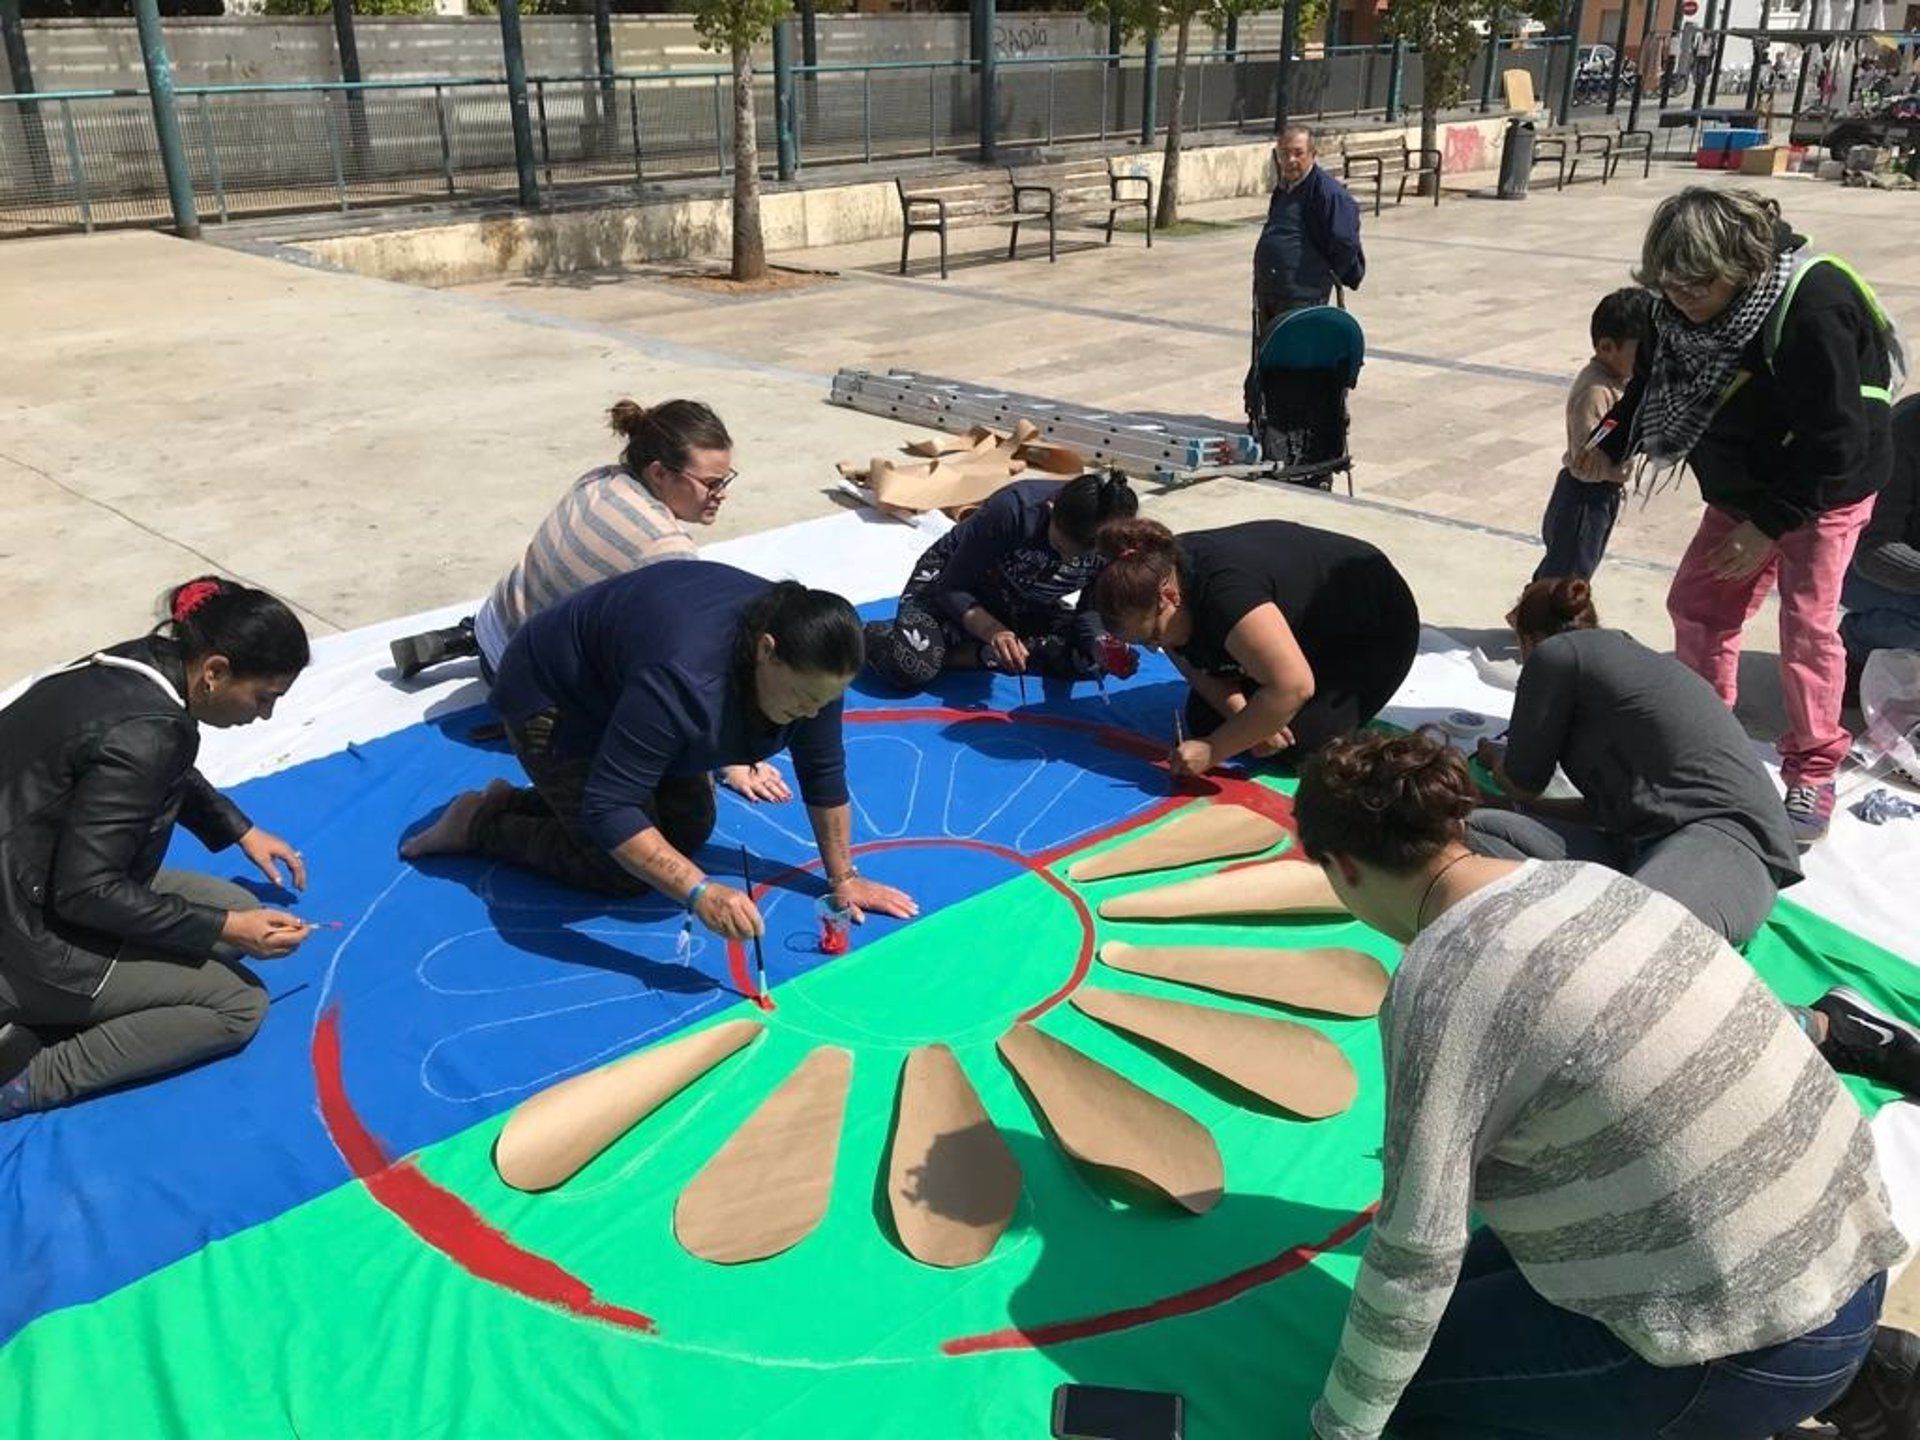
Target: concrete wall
(567, 242)
(236, 50)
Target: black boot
(415, 653)
(1883, 1402)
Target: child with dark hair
(112, 969)
(991, 593)
(1586, 496)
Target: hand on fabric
(1490, 755)
(1742, 553)
(1009, 654)
(729, 913)
(859, 895)
(264, 934)
(1190, 759)
(266, 851)
(761, 783)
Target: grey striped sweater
(1633, 1113)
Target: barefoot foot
(451, 833)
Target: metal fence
(82, 159)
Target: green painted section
(335, 1321)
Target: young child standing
(1586, 496)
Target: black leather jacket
(96, 765)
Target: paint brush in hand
(1022, 675)
(759, 951)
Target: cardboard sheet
(951, 1180)
(1285, 1063)
(767, 1188)
(1272, 887)
(1342, 982)
(1214, 832)
(1102, 1118)
(552, 1137)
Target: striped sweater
(605, 525)
(1631, 1111)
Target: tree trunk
(1429, 140)
(749, 245)
(1169, 208)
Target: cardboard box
(1764, 160)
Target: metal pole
(516, 58)
(211, 151)
(1667, 72)
(1853, 69)
(1719, 54)
(1115, 39)
(1331, 36)
(1397, 76)
(607, 107)
(446, 140)
(1640, 66)
(1233, 34)
(1800, 85)
(76, 167)
(989, 84)
(1493, 59)
(349, 50)
(787, 141)
(1700, 75)
(166, 122)
(1575, 15)
(1753, 67)
(1283, 78)
(1150, 91)
(13, 38)
(1619, 61)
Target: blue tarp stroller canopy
(1321, 337)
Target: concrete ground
(368, 449)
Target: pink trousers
(1708, 614)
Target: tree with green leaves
(1448, 35)
(736, 26)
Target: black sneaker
(1883, 1402)
(414, 653)
(1863, 1041)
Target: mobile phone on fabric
(1103, 1412)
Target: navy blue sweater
(641, 670)
(1310, 242)
(1000, 557)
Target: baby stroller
(1304, 368)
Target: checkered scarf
(1692, 366)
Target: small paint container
(1464, 724)
(835, 926)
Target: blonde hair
(1701, 235)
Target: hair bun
(626, 416)
(191, 596)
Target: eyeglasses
(1688, 289)
(712, 484)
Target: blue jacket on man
(1311, 241)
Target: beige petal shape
(1102, 1118)
(552, 1136)
(1212, 832)
(1294, 1066)
(1272, 887)
(952, 1181)
(767, 1187)
(1332, 981)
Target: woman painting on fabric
(1770, 375)
(130, 965)
(1287, 635)
(622, 700)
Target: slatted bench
(1567, 145)
(940, 203)
(1390, 157)
(1075, 187)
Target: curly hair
(1389, 800)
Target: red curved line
(438, 1216)
(1200, 1297)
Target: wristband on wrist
(693, 895)
(834, 882)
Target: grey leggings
(155, 1014)
(1720, 880)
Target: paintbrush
(759, 952)
(1022, 676)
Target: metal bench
(941, 203)
(1075, 187)
(1567, 145)
(1390, 156)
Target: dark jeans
(1877, 618)
(157, 1012)
(540, 830)
(1350, 686)
(1722, 881)
(1507, 1364)
(1576, 527)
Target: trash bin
(1516, 160)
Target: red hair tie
(1128, 553)
(191, 596)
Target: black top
(1332, 589)
(96, 766)
(1648, 744)
(641, 672)
(1889, 553)
(1000, 558)
(1798, 439)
